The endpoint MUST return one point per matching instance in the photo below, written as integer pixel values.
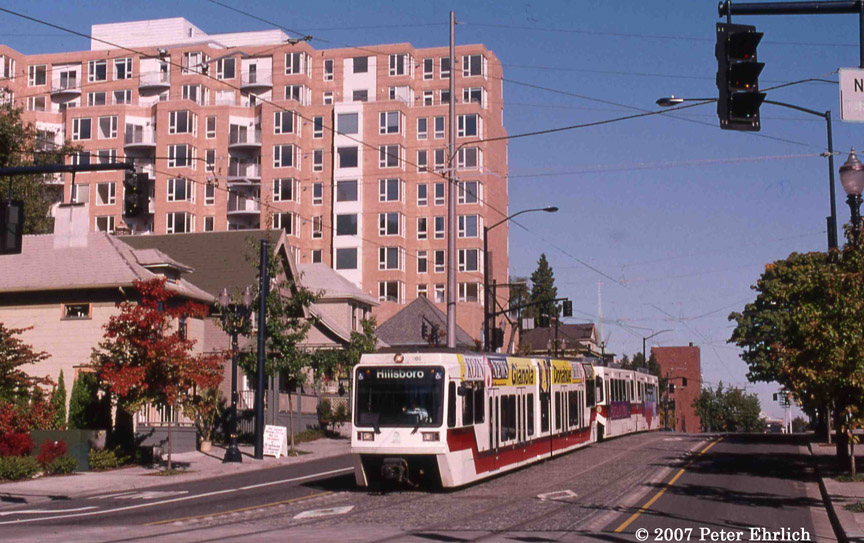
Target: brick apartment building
(343, 149)
(682, 364)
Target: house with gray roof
(574, 340)
(421, 325)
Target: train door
(520, 421)
(494, 419)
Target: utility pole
(451, 196)
(263, 293)
(666, 404)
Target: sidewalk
(848, 526)
(196, 465)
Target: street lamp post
(234, 319)
(852, 178)
(486, 311)
(644, 359)
(832, 219)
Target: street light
(832, 219)
(852, 179)
(234, 320)
(644, 358)
(486, 312)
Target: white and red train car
(450, 419)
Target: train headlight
(431, 436)
(398, 358)
(365, 436)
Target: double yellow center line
(662, 491)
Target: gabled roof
(539, 339)
(321, 277)
(103, 262)
(404, 329)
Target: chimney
(71, 223)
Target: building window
(389, 156)
(81, 158)
(469, 260)
(283, 156)
(389, 224)
(440, 160)
(317, 194)
(346, 259)
(422, 128)
(439, 293)
(440, 262)
(182, 122)
(210, 160)
(428, 68)
(422, 228)
(211, 127)
(390, 190)
(360, 95)
(105, 224)
(469, 292)
(389, 291)
(36, 75)
(422, 194)
(423, 291)
(285, 221)
(348, 123)
(346, 191)
(346, 225)
(36, 103)
(474, 95)
(440, 223)
(445, 96)
(439, 127)
(390, 258)
(295, 63)
(179, 222)
(348, 157)
(439, 194)
(318, 160)
(317, 227)
(423, 161)
(389, 122)
(106, 194)
(469, 226)
(399, 64)
(467, 125)
(428, 98)
(96, 99)
(76, 311)
(226, 68)
(196, 93)
(97, 70)
(469, 158)
(209, 223)
(445, 67)
(316, 256)
(192, 62)
(328, 69)
(81, 129)
(422, 262)
(361, 65)
(106, 156)
(108, 127)
(469, 192)
(123, 68)
(209, 196)
(318, 127)
(473, 65)
(283, 122)
(296, 92)
(181, 156)
(328, 98)
(181, 190)
(283, 190)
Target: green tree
(87, 411)
(543, 289)
(728, 410)
(58, 404)
(22, 145)
(799, 425)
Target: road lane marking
(663, 490)
(242, 509)
(151, 494)
(315, 513)
(172, 500)
(106, 496)
(557, 495)
(37, 511)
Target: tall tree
(146, 358)
(728, 410)
(58, 404)
(543, 289)
(22, 145)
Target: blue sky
(679, 216)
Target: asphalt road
(734, 484)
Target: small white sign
(852, 95)
(275, 441)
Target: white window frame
(400, 64)
(444, 72)
(210, 133)
(462, 228)
(318, 160)
(439, 131)
(278, 122)
(384, 224)
(383, 288)
(127, 96)
(464, 192)
(171, 222)
(428, 69)
(91, 70)
(173, 158)
(423, 289)
(296, 57)
(461, 163)
(442, 199)
(386, 155)
(185, 184)
(317, 227)
(423, 256)
(279, 185)
(463, 292)
(468, 91)
(422, 128)
(468, 65)
(220, 68)
(112, 193)
(423, 200)
(439, 265)
(428, 98)
(463, 260)
(209, 194)
(439, 226)
(191, 122)
(329, 72)
(384, 190)
(317, 200)
(126, 64)
(318, 127)
(384, 119)
(422, 160)
(422, 228)
(461, 126)
(33, 71)
(384, 254)
(91, 99)
(278, 221)
(76, 128)
(279, 156)
(327, 98)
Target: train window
(451, 405)
(573, 399)
(589, 393)
(468, 407)
(479, 393)
(544, 412)
(530, 415)
(558, 408)
(508, 417)
(599, 390)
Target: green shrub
(14, 468)
(62, 465)
(106, 459)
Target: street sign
(275, 441)
(852, 95)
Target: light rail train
(450, 419)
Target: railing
(244, 136)
(68, 85)
(265, 79)
(138, 134)
(242, 203)
(153, 415)
(223, 101)
(244, 170)
(151, 79)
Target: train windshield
(399, 396)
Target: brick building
(343, 149)
(682, 364)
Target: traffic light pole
(833, 7)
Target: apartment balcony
(154, 81)
(244, 173)
(71, 87)
(243, 206)
(139, 138)
(256, 80)
(244, 140)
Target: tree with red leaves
(145, 356)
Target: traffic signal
(11, 226)
(567, 309)
(738, 77)
(136, 196)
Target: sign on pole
(275, 441)
(852, 95)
